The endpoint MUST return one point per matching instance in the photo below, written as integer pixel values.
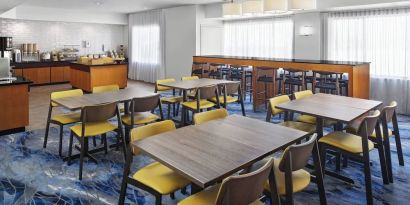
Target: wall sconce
(306, 31)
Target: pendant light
(275, 6)
(231, 9)
(302, 4)
(252, 7)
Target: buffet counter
(14, 116)
(86, 77)
(43, 73)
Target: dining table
(207, 153)
(187, 85)
(121, 96)
(343, 110)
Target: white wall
(308, 47)
(51, 36)
(180, 40)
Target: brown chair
(94, 122)
(290, 175)
(230, 90)
(62, 119)
(155, 178)
(202, 95)
(388, 115)
(272, 111)
(356, 146)
(174, 100)
(141, 113)
(243, 189)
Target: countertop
(287, 60)
(19, 81)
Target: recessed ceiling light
(98, 3)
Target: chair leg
(104, 139)
(397, 138)
(60, 143)
(243, 108)
(388, 156)
(94, 141)
(367, 175)
(382, 159)
(338, 160)
(322, 153)
(46, 134)
(158, 199)
(169, 111)
(70, 148)
(83, 141)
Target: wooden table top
(334, 107)
(207, 153)
(192, 84)
(123, 95)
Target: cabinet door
(18, 72)
(57, 74)
(37, 75)
(66, 73)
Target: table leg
(195, 188)
(183, 110)
(275, 199)
(319, 174)
(319, 127)
(126, 107)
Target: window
(271, 38)
(147, 48)
(380, 37)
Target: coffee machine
(6, 47)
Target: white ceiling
(9, 4)
(117, 6)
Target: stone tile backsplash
(51, 36)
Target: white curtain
(272, 37)
(380, 37)
(147, 45)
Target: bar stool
(215, 70)
(328, 82)
(291, 79)
(200, 69)
(267, 81)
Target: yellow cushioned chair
(62, 119)
(272, 111)
(142, 112)
(192, 93)
(201, 102)
(94, 122)
(243, 189)
(106, 88)
(307, 118)
(229, 91)
(357, 146)
(173, 100)
(154, 178)
(292, 162)
(203, 117)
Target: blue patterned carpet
(30, 174)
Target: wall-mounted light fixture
(306, 31)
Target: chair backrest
(65, 94)
(273, 102)
(163, 88)
(368, 123)
(145, 104)
(231, 88)
(203, 117)
(106, 88)
(244, 189)
(303, 94)
(149, 130)
(297, 154)
(207, 92)
(389, 111)
(98, 113)
(190, 78)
